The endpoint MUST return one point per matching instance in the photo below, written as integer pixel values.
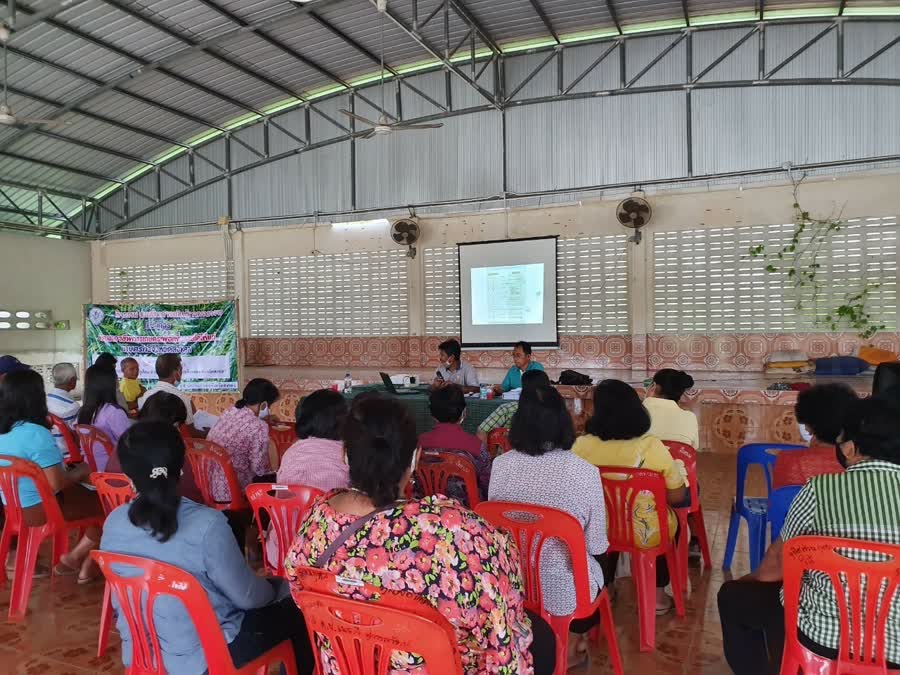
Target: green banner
(205, 335)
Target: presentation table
(477, 409)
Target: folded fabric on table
(786, 356)
(787, 365)
(841, 365)
(875, 356)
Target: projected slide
(512, 294)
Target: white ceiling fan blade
(404, 127)
(358, 118)
(46, 123)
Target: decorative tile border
(731, 352)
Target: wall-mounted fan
(384, 126)
(634, 213)
(406, 233)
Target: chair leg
(5, 542)
(609, 630)
(678, 590)
(26, 560)
(681, 550)
(734, 526)
(643, 569)
(560, 626)
(106, 615)
(699, 529)
(757, 525)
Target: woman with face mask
(244, 433)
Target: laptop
(392, 388)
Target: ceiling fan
(7, 116)
(384, 126)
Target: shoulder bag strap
(348, 532)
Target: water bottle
(348, 384)
(483, 391)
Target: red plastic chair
(68, 438)
(531, 527)
(113, 489)
(863, 617)
(89, 435)
(286, 506)
(437, 467)
(56, 528)
(206, 457)
(498, 441)
(694, 512)
(283, 436)
(185, 434)
(621, 487)
(161, 580)
(364, 633)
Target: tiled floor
(60, 634)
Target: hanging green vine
(799, 261)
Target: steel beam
(724, 55)
(530, 76)
(466, 15)
(38, 189)
(435, 54)
(659, 57)
(841, 7)
(61, 167)
(544, 19)
(802, 49)
(762, 9)
(613, 16)
(600, 59)
(60, 212)
(684, 11)
(51, 9)
(866, 61)
(371, 57)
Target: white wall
(41, 273)
(856, 196)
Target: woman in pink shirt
(243, 432)
(317, 458)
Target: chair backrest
(860, 588)
(498, 441)
(437, 467)
(207, 457)
(14, 469)
(88, 435)
(763, 455)
(113, 489)
(138, 593)
(286, 506)
(185, 434)
(283, 436)
(621, 488)
(779, 503)
(68, 437)
(364, 632)
(532, 527)
(688, 455)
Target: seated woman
(25, 433)
(668, 422)
(316, 459)
(243, 432)
(541, 470)
(101, 409)
(616, 436)
(819, 411)
(254, 613)
(170, 409)
(448, 410)
(420, 546)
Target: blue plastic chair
(753, 509)
(779, 503)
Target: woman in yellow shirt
(616, 436)
(668, 422)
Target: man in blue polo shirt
(522, 363)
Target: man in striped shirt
(61, 403)
(861, 503)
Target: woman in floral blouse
(432, 547)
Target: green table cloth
(477, 409)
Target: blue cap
(10, 364)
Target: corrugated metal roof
(150, 49)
